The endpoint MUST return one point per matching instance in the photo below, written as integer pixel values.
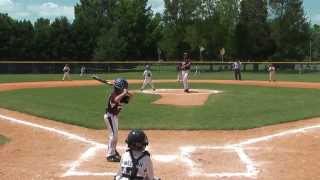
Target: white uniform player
(272, 72)
(136, 163)
(186, 65)
(66, 72)
(147, 78)
(82, 71)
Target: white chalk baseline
(185, 154)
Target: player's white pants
(185, 77)
(66, 75)
(272, 76)
(147, 81)
(111, 121)
(179, 76)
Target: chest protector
(131, 172)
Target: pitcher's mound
(177, 97)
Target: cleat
(117, 155)
(113, 158)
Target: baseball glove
(125, 99)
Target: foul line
(184, 156)
(60, 132)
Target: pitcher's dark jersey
(186, 65)
(113, 106)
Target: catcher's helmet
(137, 140)
(120, 83)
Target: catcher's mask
(137, 140)
(120, 84)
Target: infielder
(66, 72)
(136, 162)
(185, 67)
(82, 71)
(147, 78)
(272, 72)
(115, 102)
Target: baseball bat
(102, 80)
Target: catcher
(115, 102)
(136, 162)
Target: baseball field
(3, 140)
(223, 129)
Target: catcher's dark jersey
(113, 107)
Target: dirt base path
(44, 149)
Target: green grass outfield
(238, 107)
(3, 140)
(308, 77)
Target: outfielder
(147, 78)
(185, 67)
(66, 72)
(116, 100)
(136, 162)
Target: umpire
(237, 70)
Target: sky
(34, 9)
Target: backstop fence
(96, 67)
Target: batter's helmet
(120, 83)
(137, 140)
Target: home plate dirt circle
(177, 97)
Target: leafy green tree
(290, 28)
(6, 33)
(90, 17)
(315, 42)
(22, 39)
(41, 40)
(61, 43)
(253, 31)
(134, 32)
(111, 46)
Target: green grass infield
(3, 140)
(225, 75)
(238, 107)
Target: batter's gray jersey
(147, 74)
(145, 167)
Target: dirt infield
(44, 149)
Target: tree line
(129, 30)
